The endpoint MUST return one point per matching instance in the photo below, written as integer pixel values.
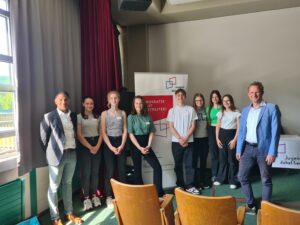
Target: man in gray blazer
(257, 142)
(57, 136)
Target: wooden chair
(204, 210)
(140, 205)
(271, 214)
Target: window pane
(7, 146)
(4, 5)
(4, 37)
(6, 114)
(5, 78)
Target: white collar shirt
(68, 129)
(252, 121)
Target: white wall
(228, 53)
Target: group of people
(236, 141)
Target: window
(7, 86)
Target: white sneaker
(217, 183)
(193, 190)
(233, 186)
(87, 204)
(96, 201)
(109, 202)
(251, 211)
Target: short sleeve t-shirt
(140, 125)
(89, 126)
(213, 115)
(228, 119)
(182, 117)
(201, 124)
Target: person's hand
(94, 150)
(181, 141)
(270, 159)
(114, 150)
(238, 156)
(120, 149)
(144, 151)
(219, 143)
(232, 144)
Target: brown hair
(211, 104)
(144, 111)
(257, 84)
(232, 106)
(195, 96)
(180, 90)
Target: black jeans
(110, 163)
(89, 166)
(214, 151)
(200, 151)
(151, 159)
(183, 155)
(228, 167)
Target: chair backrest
(137, 204)
(204, 210)
(272, 214)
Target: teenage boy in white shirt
(181, 120)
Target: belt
(251, 144)
(69, 150)
(91, 138)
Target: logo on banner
(171, 82)
(158, 106)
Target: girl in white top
(226, 136)
(89, 136)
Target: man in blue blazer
(57, 137)
(257, 142)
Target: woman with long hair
(114, 131)
(141, 132)
(200, 150)
(226, 136)
(90, 139)
(215, 106)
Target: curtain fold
(100, 52)
(46, 37)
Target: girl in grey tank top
(114, 124)
(114, 130)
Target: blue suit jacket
(52, 136)
(267, 130)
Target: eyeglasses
(226, 101)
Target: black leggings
(151, 159)
(110, 163)
(214, 151)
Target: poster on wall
(158, 90)
(288, 152)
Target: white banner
(288, 152)
(158, 90)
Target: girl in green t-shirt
(141, 132)
(215, 105)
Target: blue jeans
(251, 156)
(183, 156)
(63, 173)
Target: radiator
(12, 204)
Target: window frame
(9, 158)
